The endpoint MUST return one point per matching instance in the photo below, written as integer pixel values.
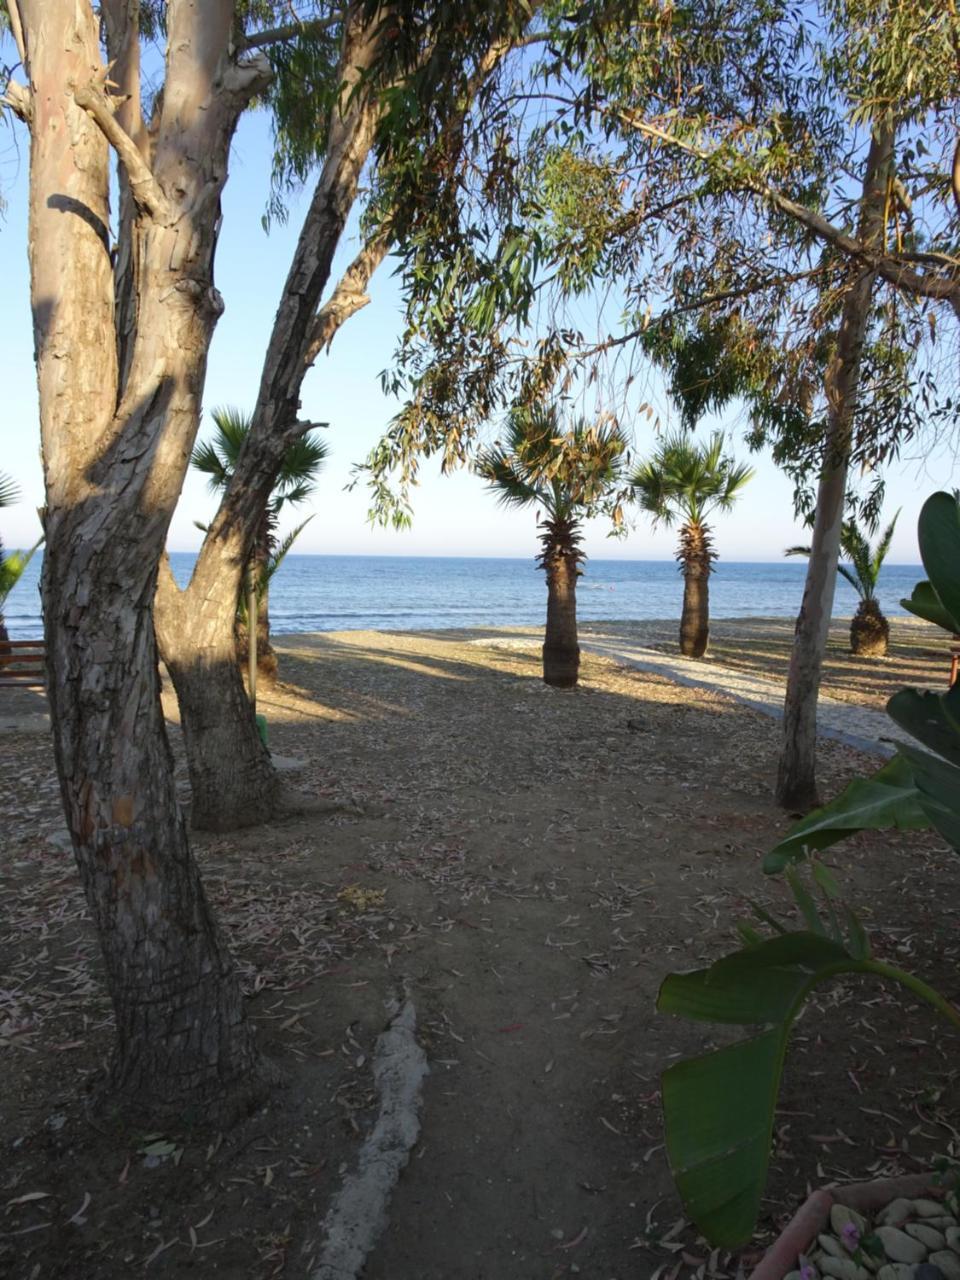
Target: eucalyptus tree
(124, 308)
(765, 225)
(568, 473)
(431, 62)
(686, 481)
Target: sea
(412, 593)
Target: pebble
(832, 1247)
(897, 1211)
(953, 1238)
(927, 1235)
(948, 1262)
(843, 1269)
(896, 1271)
(899, 1247)
(927, 1271)
(928, 1208)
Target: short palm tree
(869, 629)
(216, 458)
(686, 481)
(569, 474)
(13, 563)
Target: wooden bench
(22, 664)
(954, 663)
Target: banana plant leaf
(925, 603)
(938, 531)
(931, 718)
(719, 1107)
(889, 799)
(938, 791)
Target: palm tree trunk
(695, 555)
(561, 650)
(796, 777)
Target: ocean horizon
(412, 593)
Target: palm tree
(569, 474)
(869, 629)
(686, 481)
(216, 458)
(13, 564)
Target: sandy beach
(525, 866)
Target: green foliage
(719, 1107)
(570, 472)
(301, 462)
(865, 561)
(687, 480)
(217, 458)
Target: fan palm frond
(9, 490)
(688, 480)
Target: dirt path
(527, 865)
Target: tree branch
(348, 297)
(891, 267)
(19, 99)
(16, 29)
(144, 188)
(291, 31)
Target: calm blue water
(407, 593)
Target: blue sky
(453, 515)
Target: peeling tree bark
(796, 776)
(119, 405)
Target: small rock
(896, 1271)
(899, 1247)
(832, 1248)
(897, 1211)
(953, 1238)
(927, 1271)
(928, 1208)
(843, 1269)
(948, 1262)
(927, 1235)
(842, 1215)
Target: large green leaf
(931, 718)
(719, 1107)
(938, 532)
(938, 791)
(718, 1116)
(887, 800)
(925, 603)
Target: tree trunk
(116, 437)
(203, 615)
(232, 782)
(869, 631)
(696, 556)
(796, 777)
(561, 650)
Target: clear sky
(453, 515)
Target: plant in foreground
(719, 1107)
(869, 629)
